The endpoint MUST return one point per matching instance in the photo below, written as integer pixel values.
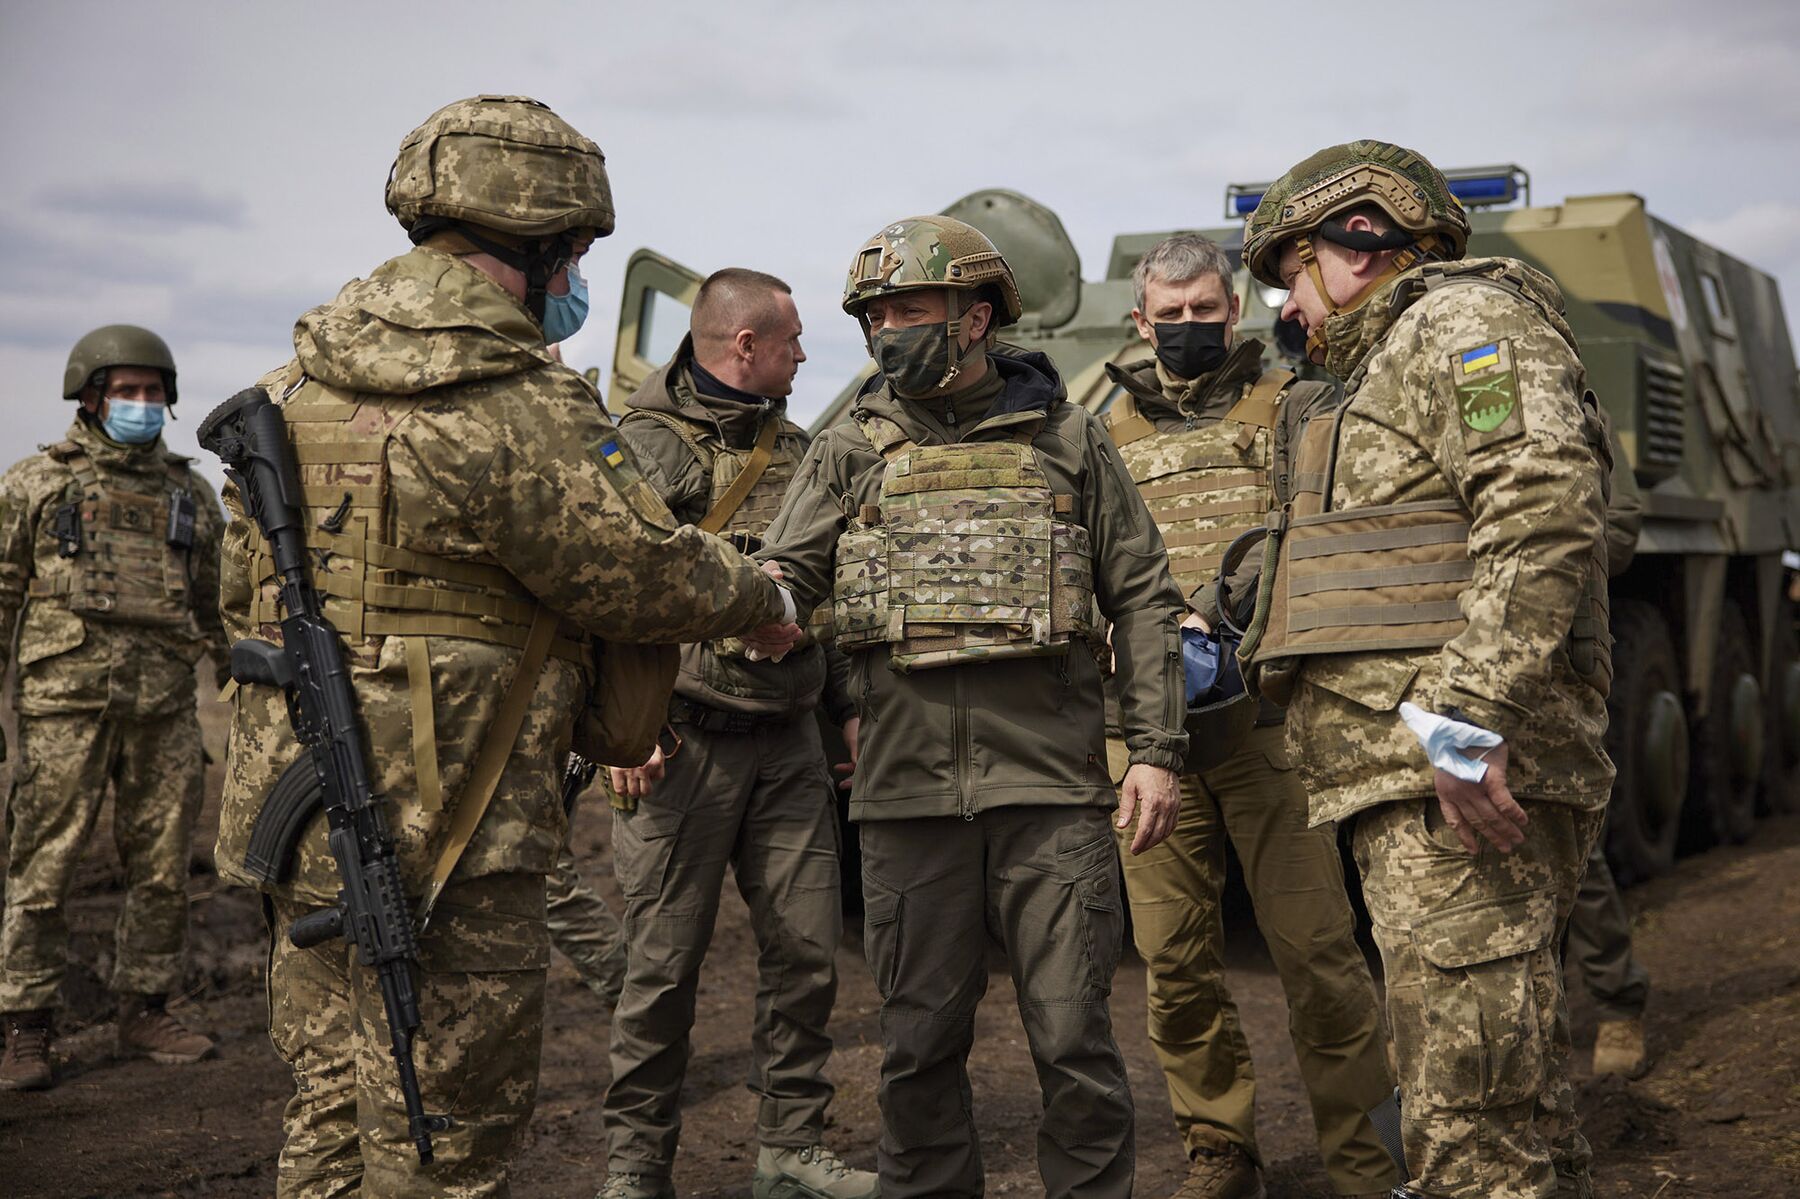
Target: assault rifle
(248, 434)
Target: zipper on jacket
(959, 737)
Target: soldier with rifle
(445, 547)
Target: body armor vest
(370, 587)
(1208, 485)
(1390, 576)
(746, 520)
(130, 541)
(968, 556)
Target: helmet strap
(952, 327)
(1410, 256)
(537, 261)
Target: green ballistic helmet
(118, 345)
(1402, 184)
(930, 251)
(505, 163)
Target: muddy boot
(635, 1186)
(1221, 1170)
(26, 1065)
(1619, 1048)
(146, 1027)
(813, 1172)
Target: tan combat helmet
(504, 175)
(117, 345)
(926, 252)
(1300, 206)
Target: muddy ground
(1719, 1114)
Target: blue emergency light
(1475, 187)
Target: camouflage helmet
(1406, 187)
(117, 345)
(930, 251)
(505, 163)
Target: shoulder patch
(1487, 389)
(610, 453)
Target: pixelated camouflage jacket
(1533, 490)
(730, 682)
(506, 458)
(70, 663)
(960, 739)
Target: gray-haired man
(1204, 430)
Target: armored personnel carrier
(1688, 350)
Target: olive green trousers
(1043, 883)
(584, 930)
(760, 803)
(1598, 948)
(481, 1006)
(1296, 883)
(1475, 997)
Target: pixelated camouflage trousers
(481, 1005)
(64, 766)
(584, 930)
(1254, 802)
(1042, 882)
(1475, 997)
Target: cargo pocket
(643, 842)
(1486, 1003)
(881, 932)
(1094, 880)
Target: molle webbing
(1207, 485)
(126, 571)
(369, 587)
(968, 557)
(747, 487)
(1375, 578)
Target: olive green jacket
(960, 739)
(507, 459)
(70, 663)
(730, 682)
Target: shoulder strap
(1262, 403)
(683, 429)
(720, 514)
(62, 451)
(1125, 423)
(490, 759)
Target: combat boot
(811, 1172)
(1221, 1170)
(1619, 1048)
(635, 1186)
(26, 1065)
(146, 1027)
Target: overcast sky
(213, 170)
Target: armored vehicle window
(663, 325)
(1717, 315)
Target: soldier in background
(469, 505)
(1437, 623)
(963, 523)
(748, 787)
(1207, 435)
(109, 579)
(584, 930)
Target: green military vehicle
(1689, 352)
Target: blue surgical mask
(133, 422)
(564, 314)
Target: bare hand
(1153, 795)
(635, 782)
(1193, 620)
(1486, 807)
(847, 770)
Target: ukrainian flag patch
(609, 452)
(1480, 357)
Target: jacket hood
(425, 319)
(670, 389)
(1029, 383)
(1243, 363)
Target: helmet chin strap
(1405, 260)
(952, 327)
(537, 261)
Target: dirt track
(1720, 1113)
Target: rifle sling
(490, 760)
(720, 514)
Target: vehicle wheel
(1781, 757)
(1728, 746)
(1648, 742)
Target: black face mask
(914, 359)
(1192, 348)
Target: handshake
(773, 640)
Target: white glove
(1443, 737)
(788, 612)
